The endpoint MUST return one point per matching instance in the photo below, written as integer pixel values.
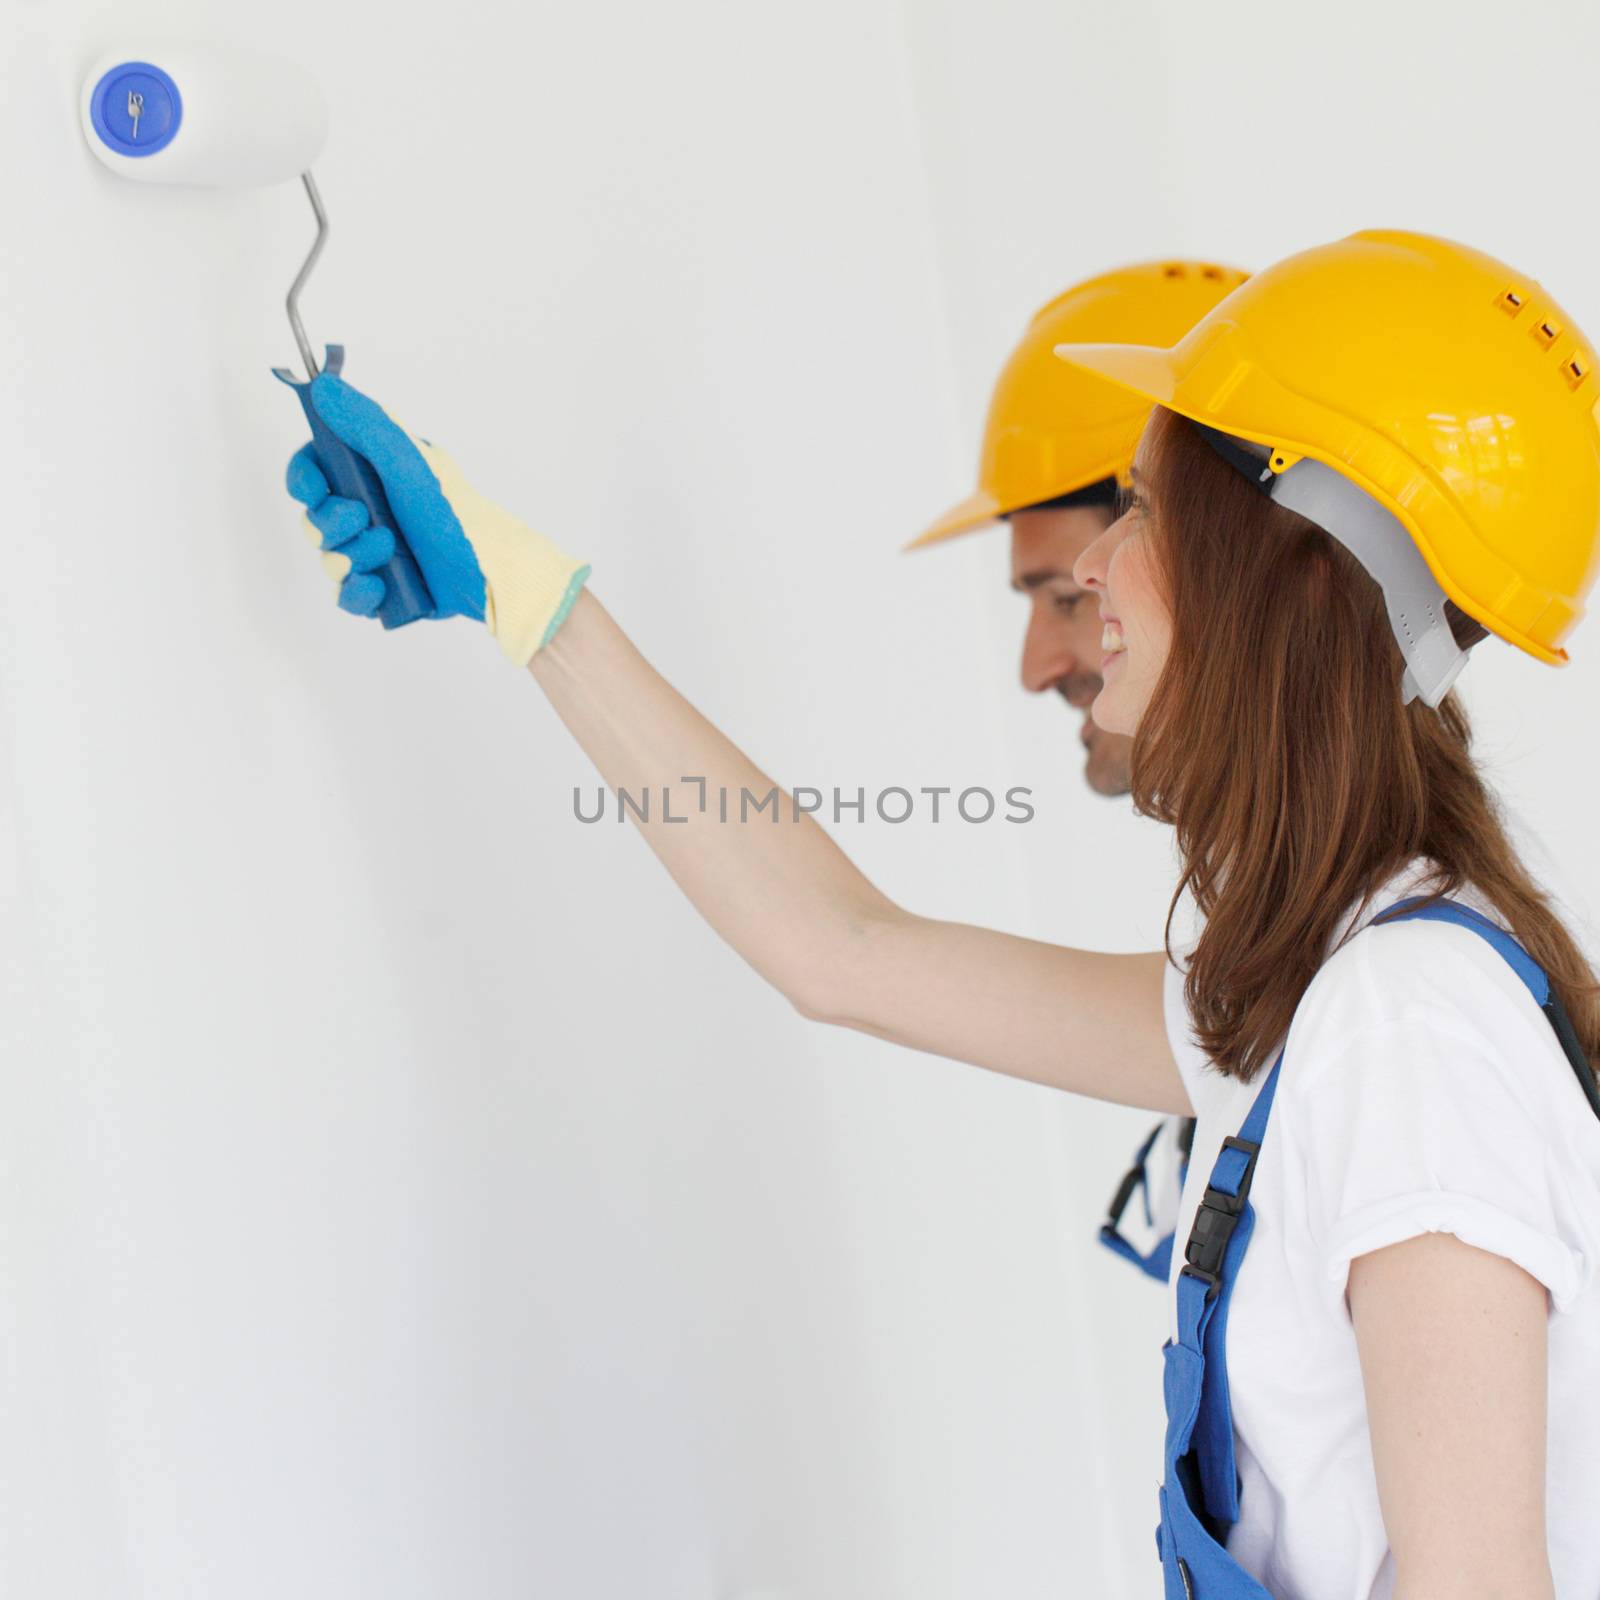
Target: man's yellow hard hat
(1051, 430)
(1448, 388)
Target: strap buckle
(1215, 1219)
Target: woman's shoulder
(1425, 1091)
(1391, 986)
(1417, 962)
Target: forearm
(781, 892)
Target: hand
(477, 559)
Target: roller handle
(353, 477)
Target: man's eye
(1068, 603)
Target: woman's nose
(1089, 570)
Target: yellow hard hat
(1445, 396)
(1050, 430)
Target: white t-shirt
(1423, 1091)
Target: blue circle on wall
(136, 109)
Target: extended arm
(781, 893)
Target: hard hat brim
(976, 511)
(981, 508)
(1140, 368)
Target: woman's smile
(1111, 641)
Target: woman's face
(1120, 568)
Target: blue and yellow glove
(477, 559)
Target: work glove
(476, 558)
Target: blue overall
(1200, 1494)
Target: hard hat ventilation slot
(1511, 302)
(1547, 332)
(1173, 270)
(1576, 369)
(1214, 273)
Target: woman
(1393, 1392)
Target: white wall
(401, 1192)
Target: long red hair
(1277, 746)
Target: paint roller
(223, 117)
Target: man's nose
(1047, 653)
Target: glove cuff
(525, 605)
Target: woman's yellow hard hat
(1448, 388)
(1051, 430)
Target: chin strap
(1379, 541)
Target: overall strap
(1220, 1234)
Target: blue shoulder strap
(1218, 1238)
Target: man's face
(1061, 650)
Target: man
(1057, 448)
